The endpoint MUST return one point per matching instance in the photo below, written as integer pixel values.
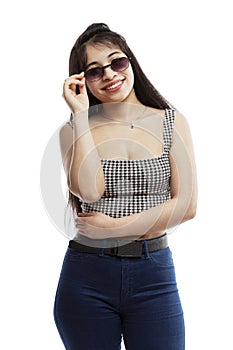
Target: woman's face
(113, 86)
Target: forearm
(181, 207)
(154, 220)
(86, 176)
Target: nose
(109, 74)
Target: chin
(128, 96)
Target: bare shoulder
(181, 126)
(65, 130)
(65, 133)
(182, 137)
(180, 120)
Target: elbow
(88, 193)
(191, 212)
(91, 198)
(191, 207)
(190, 215)
(86, 196)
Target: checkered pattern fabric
(132, 186)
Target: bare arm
(81, 161)
(182, 205)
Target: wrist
(80, 115)
(80, 121)
(124, 220)
(127, 227)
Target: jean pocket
(162, 258)
(73, 255)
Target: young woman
(130, 168)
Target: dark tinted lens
(94, 74)
(120, 64)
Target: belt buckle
(129, 250)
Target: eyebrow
(95, 62)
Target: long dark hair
(99, 33)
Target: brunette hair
(100, 33)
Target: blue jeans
(101, 298)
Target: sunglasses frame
(102, 68)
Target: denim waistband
(134, 249)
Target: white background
(185, 48)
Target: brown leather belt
(134, 249)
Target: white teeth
(114, 86)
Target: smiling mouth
(114, 85)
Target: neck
(123, 110)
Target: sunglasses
(117, 65)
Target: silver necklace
(131, 123)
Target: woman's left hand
(94, 225)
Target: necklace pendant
(132, 126)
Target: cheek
(131, 76)
(94, 89)
(90, 87)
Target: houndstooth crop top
(132, 186)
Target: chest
(115, 141)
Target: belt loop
(146, 251)
(101, 252)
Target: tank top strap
(168, 124)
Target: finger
(75, 77)
(79, 222)
(71, 81)
(80, 225)
(85, 214)
(83, 88)
(78, 76)
(73, 87)
(83, 221)
(70, 88)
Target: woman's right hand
(76, 102)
